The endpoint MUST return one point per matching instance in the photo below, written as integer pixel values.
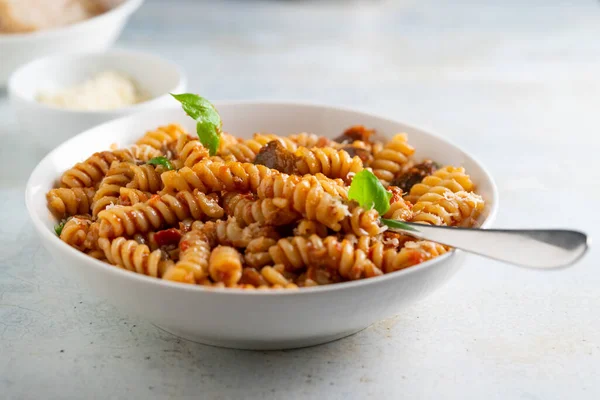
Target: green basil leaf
(392, 223)
(369, 192)
(59, 227)
(161, 161)
(209, 136)
(208, 120)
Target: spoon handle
(543, 248)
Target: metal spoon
(534, 248)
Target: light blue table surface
(515, 83)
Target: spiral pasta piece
(400, 209)
(306, 196)
(252, 278)
(328, 161)
(460, 208)
(64, 202)
(194, 252)
(247, 210)
(189, 152)
(413, 253)
(335, 187)
(376, 147)
(307, 227)
(225, 265)
(389, 161)
(91, 239)
(118, 176)
(132, 256)
(228, 232)
(162, 136)
(311, 140)
(362, 222)
(75, 231)
(444, 180)
(145, 178)
(279, 183)
(97, 254)
(344, 258)
(216, 176)
(293, 253)
(144, 152)
(159, 211)
(257, 252)
(90, 172)
(273, 276)
(129, 196)
(246, 150)
(327, 257)
(227, 140)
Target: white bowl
(95, 34)
(50, 125)
(251, 319)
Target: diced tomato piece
(167, 237)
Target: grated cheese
(105, 91)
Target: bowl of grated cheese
(30, 29)
(59, 96)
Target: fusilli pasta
(162, 136)
(75, 232)
(448, 208)
(328, 161)
(118, 176)
(246, 150)
(192, 266)
(90, 172)
(389, 161)
(133, 256)
(158, 212)
(307, 197)
(145, 178)
(249, 210)
(228, 221)
(216, 176)
(446, 179)
(257, 252)
(189, 151)
(64, 202)
(225, 265)
(309, 140)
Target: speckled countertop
(517, 85)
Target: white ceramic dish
(52, 125)
(94, 34)
(251, 319)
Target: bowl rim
(52, 240)
(14, 92)
(127, 7)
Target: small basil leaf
(368, 191)
(161, 161)
(59, 227)
(208, 121)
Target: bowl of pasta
(257, 226)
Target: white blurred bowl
(237, 318)
(50, 125)
(95, 34)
